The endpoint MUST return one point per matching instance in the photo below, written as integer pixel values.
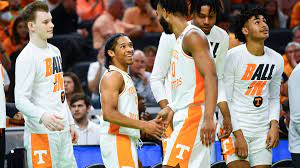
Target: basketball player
(120, 124)
(2, 117)
(204, 14)
(252, 78)
(40, 95)
(193, 75)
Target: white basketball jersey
(127, 105)
(187, 84)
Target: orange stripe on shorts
(184, 143)
(124, 151)
(227, 146)
(40, 153)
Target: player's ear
(111, 53)
(165, 14)
(31, 26)
(245, 31)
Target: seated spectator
(276, 18)
(150, 53)
(89, 10)
(72, 85)
(295, 15)
(88, 132)
(65, 19)
(18, 39)
(141, 78)
(95, 72)
(108, 24)
(143, 15)
(296, 34)
(292, 51)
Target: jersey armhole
(124, 83)
(185, 54)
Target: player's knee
(239, 164)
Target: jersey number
(215, 48)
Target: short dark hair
(29, 12)
(80, 96)
(150, 48)
(215, 6)
(240, 20)
(110, 44)
(175, 6)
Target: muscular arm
(197, 45)
(111, 85)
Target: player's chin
(49, 35)
(129, 62)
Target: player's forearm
(224, 110)
(210, 85)
(122, 120)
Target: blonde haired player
(40, 95)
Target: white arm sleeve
(220, 68)
(229, 72)
(25, 75)
(274, 94)
(161, 66)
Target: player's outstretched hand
(153, 128)
(52, 122)
(273, 136)
(227, 128)
(207, 133)
(74, 134)
(241, 147)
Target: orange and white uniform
(184, 146)
(253, 93)
(118, 144)
(39, 89)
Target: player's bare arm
(112, 85)
(197, 46)
(227, 126)
(273, 135)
